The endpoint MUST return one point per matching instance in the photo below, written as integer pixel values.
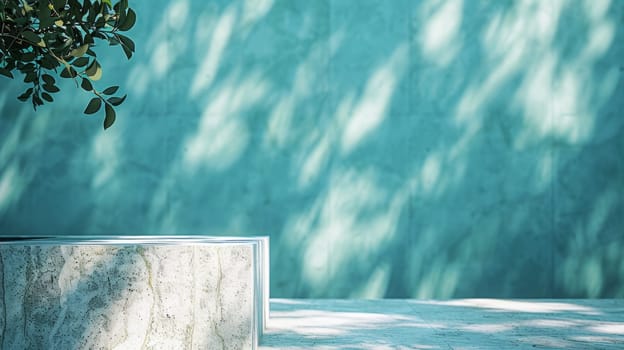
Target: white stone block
(170, 292)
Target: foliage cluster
(41, 39)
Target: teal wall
(432, 148)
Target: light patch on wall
(281, 129)
(161, 60)
(541, 22)
(255, 10)
(138, 80)
(371, 109)
(544, 171)
(440, 280)
(315, 269)
(104, 153)
(207, 71)
(477, 96)
(219, 142)
(534, 97)
(24, 137)
(583, 265)
(11, 141)
(600, 39)
(178, 29)
(165, 52)
(572, 122)
(601, 210)
(607, 86)
(177, 14)
(222, 135)
(355, 218)
(298, 227)
(280, 121)
(595, 10)
(161, 209)
(439, 38)
(591, 276)
(335, 41)
(375, 285)
(508, 40)
(10, 186)
(430, 173)
(314, 162)
(307, 77)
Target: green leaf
(30, 77)
(75, 8)
(116, 101)
(48, 79)
(80, 62)
(46, 96)
(94, 71)
(100, 22)
(100, 35)
(113, 40)
(48, 62)
(29, 67)
(24, 96)
(93, 12)
(110, 90)
(32, 38)
(79, 51)
(121, 16)
(28, 56)
(88, 39)
(7, 73)
(58, 4)
(93, 106)
(68, 73)
(110, 116)
(45, 15)
(62, 44)
(129, 21)
(127, 44)
(86, 85)
(51, 88)
(36, 101)
(86, 5)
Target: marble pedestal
(133, 292)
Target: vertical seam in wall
(553, 188)
(410, 67)
(407, 289)
(330, 122)
(553, 227)
(551, 153)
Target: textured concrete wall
(431, 148)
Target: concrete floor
(451, 324)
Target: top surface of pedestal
(125, 240)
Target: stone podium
(158, 292)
